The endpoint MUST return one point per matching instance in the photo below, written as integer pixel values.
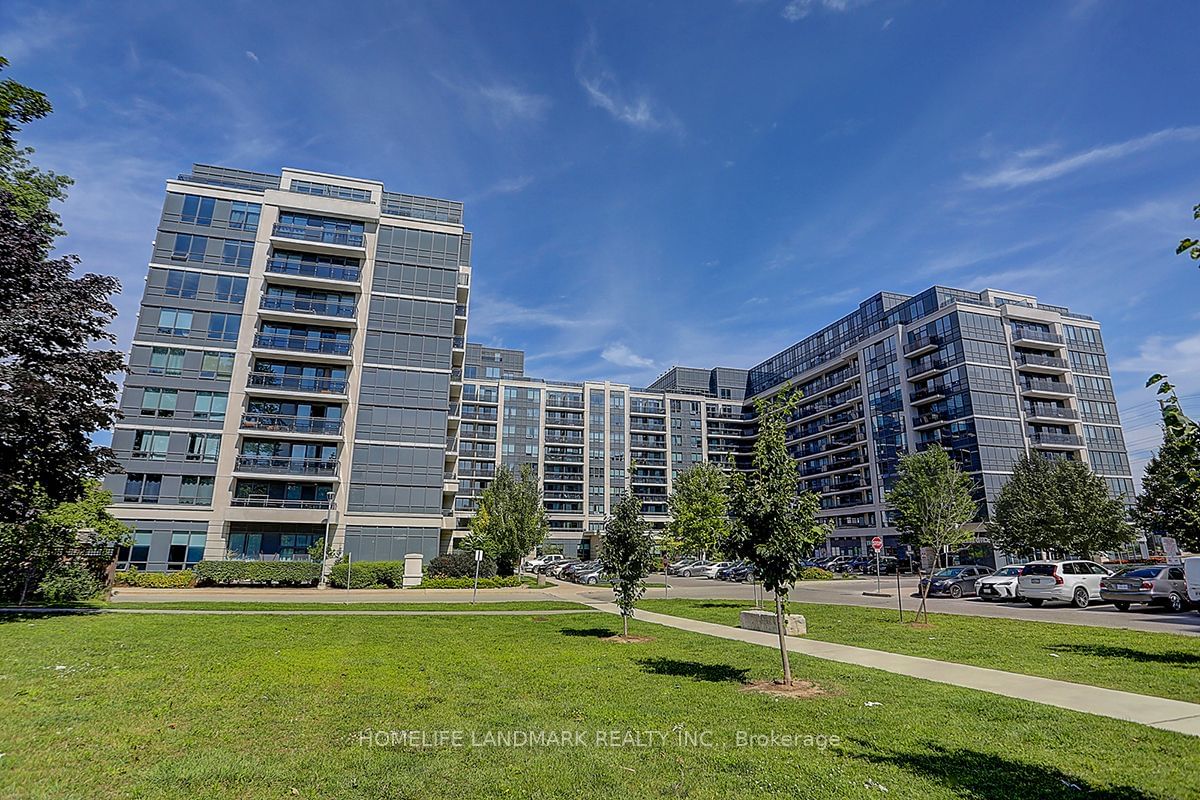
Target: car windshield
(1007, 571)
(1040, 569)
(949, 572)
(1139, 572)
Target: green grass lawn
(1161, 664)
(234, 605)
(134, 706)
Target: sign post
(475, 590)
(877, 545)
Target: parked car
(1073, 581)
(540, 563)
(571, 571)
(1153, 584)
(709, 571)
(723, 573)
(742, 573)
(556, 569)
(675, 566)
(955, 581)
(592, 575)
(1001, 584)
(695, 569)
(837, 563)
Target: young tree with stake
(628, 554)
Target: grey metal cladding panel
(397, 465)
(150, 316)
(383, 423)
(211, 258)
(408, 350)
(397, 388)
(413, 279)
(385, 499)
(413, 246)
(390, 543)
(404, 315)
(206, 292)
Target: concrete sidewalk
(1157, 712)
(299, 612)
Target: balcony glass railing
(307, 270)
(299, 305)
(1052, 439)
(285, 231)
(265, 501)
(1051, 412)
(1035, 335)
(1054, 387)
(302, 344)
(282, 465)
(297, 383)
(1031, 360)
(291, 424)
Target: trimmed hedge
(368, 575)
(180, 579)
(466, 583)
(816, 574)
(461, 564)
(257, 573)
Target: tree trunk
(783, 653)
(625, 622)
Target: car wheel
(1121, 606)
(956, 591)
(1175, 602)
(1081, 598)
(1036, 602)
(592, 581)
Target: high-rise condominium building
(300, 371)
(295, 372)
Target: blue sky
(653, 183)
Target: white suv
(542, 563)
(1074, 582)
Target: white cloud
(1021, 170)
(510, 104)
(604, 91)
(250, 54)
(622, 356)
(1178, 358)
(797, 10)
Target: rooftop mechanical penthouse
(300, 370)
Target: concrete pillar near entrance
(412, 569)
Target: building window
(211, 405)
(203, 446)
(142, 487)
(151, 445)
(166, 360)
(182, 284)
(216, 365)
(189, 247)
(174, 322)
(137, 554)
(231, 289)
(159, 402)
(197, 210)
(196, 490)
(224, 326)
(244, 216)
(187, 549)
(491, 372)
(236, 253)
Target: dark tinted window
(1039, 569)
(1175, 574)
(1141, 572)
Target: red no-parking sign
(877, 544)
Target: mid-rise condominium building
(300, 371)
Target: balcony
(1050, 412)
(460, 310)
(649, 462)
(1037, 338)
(295, 305)
(647, 408)
(921, 345)
(562, 495)
(317, 235)
(282, 465)
(563, 401)
(479, 413)
(280, 423)
(1056, 440)
(265, 501)
(1036, 386)
(572, 421)
(1040, 363)
(568, 457)
(927, 395)
(923, 369)
(929, 421)
(563, 438)
(302, 344)
(653, 480)
(296, 383)
(328, 272)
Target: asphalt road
(850, 592)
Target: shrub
(816, 574)
(466, 583)
(368, 575)
(461, 564)
(69, 584)
(263, 573)
(180, 579)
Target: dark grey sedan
(1156, 584)
(955, 581)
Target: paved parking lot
(850, 592)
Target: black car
(955, 581)
(887, 565)
(742, 573)
(723, 574)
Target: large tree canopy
(1170, 500)
(699, 508)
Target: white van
(1191, 572)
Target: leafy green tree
(1189, 246)
(628, 554)
(32, 549)
(932, 501)
(1170, 499)
(1058, 505)
(699, 505)
(774, 524)
(31, 188)
(510, 520)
